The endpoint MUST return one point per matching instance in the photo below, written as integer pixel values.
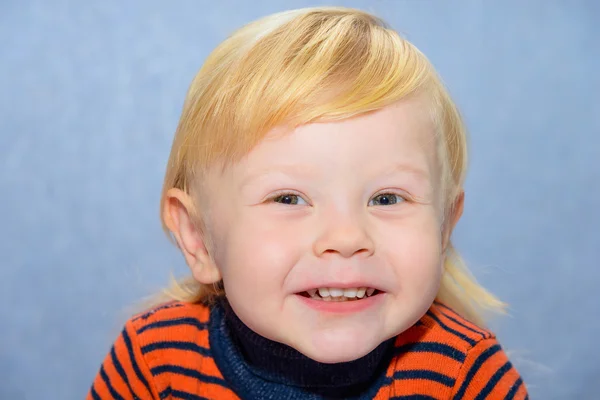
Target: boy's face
(343, 205)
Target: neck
(278, 362)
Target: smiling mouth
(337, 294)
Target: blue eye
(289, 199)
(386, 199)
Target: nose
(346, 236)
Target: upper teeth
(338, 292)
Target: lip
(342, 307)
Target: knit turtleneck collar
(261, 362)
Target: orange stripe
(385, 393)
(420, 386)
(172, 311)
(209, 367)
(217, 392)
(505, 383)
(116, 380)
(483, 362)
(155, 331)
(135, 382)
(521, 393)
(101, 388)
(476, 336)
(459, 323)
(430, 361)
(204, 389)
(185, 358)
(484, 374)
(450, 312)
(182, 334)
(430, 331)
(188, 383)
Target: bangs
(318, 66)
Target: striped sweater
(177, 351)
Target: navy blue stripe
(448, 329)
(111, 389)
(413, 397)
(477, 331)
(168, 392)
(178, 394)
(486, 334)
(514, 389)
(134, 364)
(426, 375)
(151, 312)
(94, 394)
(121, 371)
(191, 373)
(174, 322)
(165, 393)
(494, 381)
(176, 345)
(433, 347)
(474, 368)
(437, 303)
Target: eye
(386, 199)
(289, 199)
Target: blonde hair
(300, 66)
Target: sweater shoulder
(173, 339)
(169, 318)
(445, 325)
(429, 356)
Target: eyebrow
(307, 170)
(285, 169)
(418, 172)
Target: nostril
(349, 253)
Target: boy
(313, 185)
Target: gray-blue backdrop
(90, 93)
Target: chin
(339, 351)
(343, 355)
(338, 358)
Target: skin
(327, 204)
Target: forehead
(403, 131)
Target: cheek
(415, 254)
(257, 253)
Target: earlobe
(453, 217)
(178, 214)
(205, 270)
(457, 209)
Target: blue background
(90, 93)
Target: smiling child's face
(346, 208)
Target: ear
(178, 216)
(452, 218)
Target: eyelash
(403, 198)
(284, 194)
